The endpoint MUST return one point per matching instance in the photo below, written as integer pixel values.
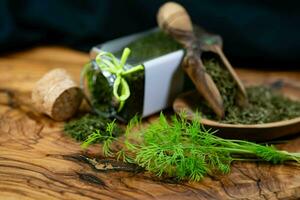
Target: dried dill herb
(223, 81)
(150, 46)
(81, 129)
(265, 104)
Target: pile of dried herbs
(265, 104)
(82, 128)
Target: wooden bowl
(188, 101)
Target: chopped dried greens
(265, 104)
(80, 129)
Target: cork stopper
(172, 15)
(57, 95)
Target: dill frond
(106, 137)
(186, 150)
(181, 149)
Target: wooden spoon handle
(195, 69)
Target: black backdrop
(256, 33)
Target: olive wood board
(38, 161)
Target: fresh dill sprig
(186, 150)
(105, 137)
(182, 149)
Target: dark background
(262, 33)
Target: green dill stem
(294, 154)
(242, 150)
(251, 147)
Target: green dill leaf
(187, 151)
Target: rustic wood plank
(38, 161)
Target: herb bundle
(265, 105)
(187, 151)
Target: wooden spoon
(174, 20)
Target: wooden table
(38, 161)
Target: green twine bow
(108, 62)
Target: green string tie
(108, 62)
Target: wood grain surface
(38, 161)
